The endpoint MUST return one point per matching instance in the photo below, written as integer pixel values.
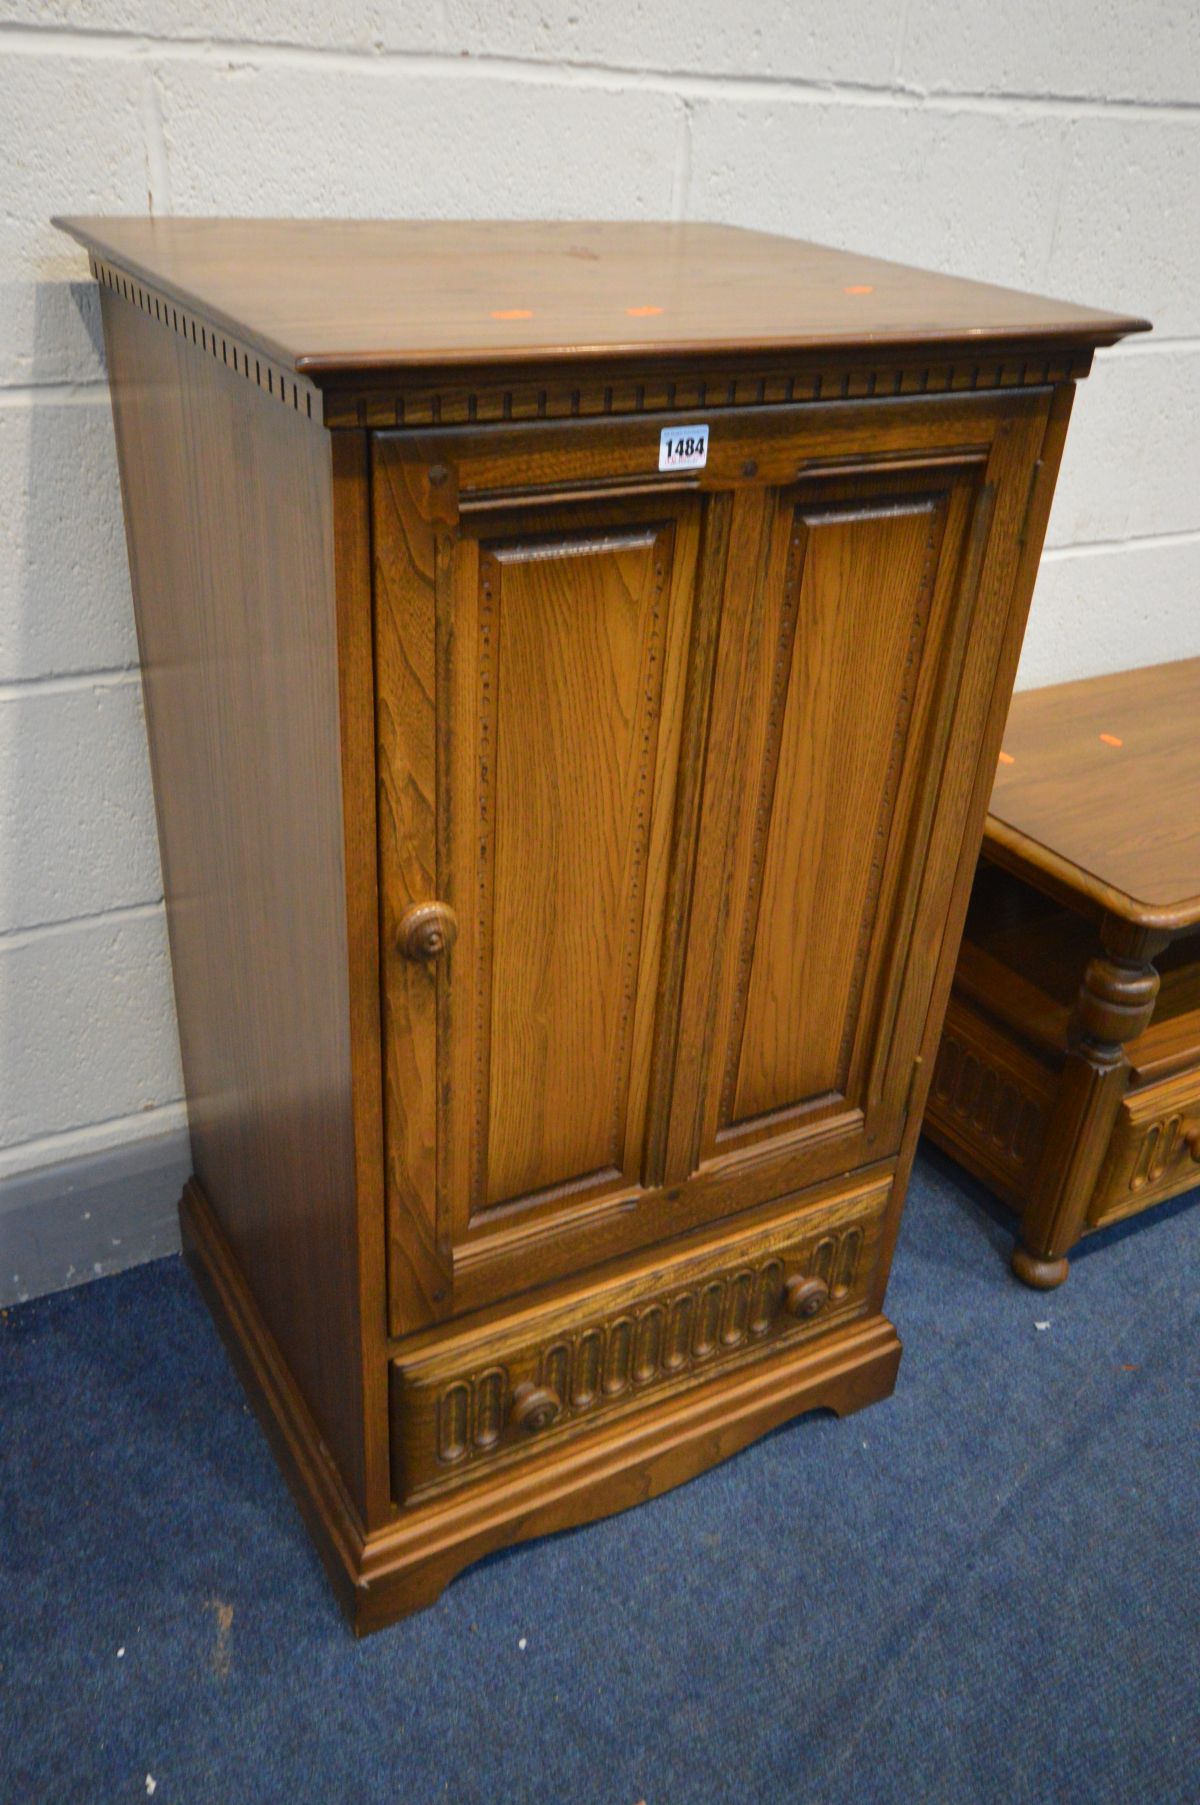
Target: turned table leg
(1116, 1001)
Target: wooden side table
(1068, 1077)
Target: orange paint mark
(860, 288)
(1006, 758)
(1110, 739)
(642, 313)
(1129, 1369)
(512, 313)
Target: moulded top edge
(355, 296)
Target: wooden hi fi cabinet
(575, 662)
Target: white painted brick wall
(1056, 147)
(88, 1032)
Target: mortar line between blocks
(15, 940)
(1133, 542)
(701, 85)
(19, 689)
(27, 1157)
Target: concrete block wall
(1050, 147)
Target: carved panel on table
(1155, 1150)
(989, 1097)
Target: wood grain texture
(351, 502)
(1010, 564)
(622, 386)
(390, 1572)
(1009, 1029)
(406, 687)
(547, 713)
(560, 712)
(229, 522)
(566, 858)
(576, 668)
(1154, 1150)
(1116, 1001)
(1128, 740)
(990, 1100)
(405, 1568)
(852, 991)
(330, 1513)
(1056, 983)
(749, 448)
(1169, 1044)
(736, 596)
(725, 386)
(857, 596)
(659, 1328)
(330, 295)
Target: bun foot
(1042, 1274)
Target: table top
(1098, 790)
(333, 295)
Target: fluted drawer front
(1155, 1149)
(477, 1398)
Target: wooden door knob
(534, 1408)
(1191, 1141)
(804, 1297)
(426, 931)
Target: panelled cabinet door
(837, 677)
(532, 669)
(672, 790)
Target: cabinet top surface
(329, 295)
(1097, 788)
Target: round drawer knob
(534, 1408)
(1191, 1141)
(426, 931)
(804, 1297)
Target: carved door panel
(837, 679)
(673, 781)
(531, 673)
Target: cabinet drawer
(1155, 1150)
(479, 1398)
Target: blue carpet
(984, 1589)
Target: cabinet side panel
(228, 509)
